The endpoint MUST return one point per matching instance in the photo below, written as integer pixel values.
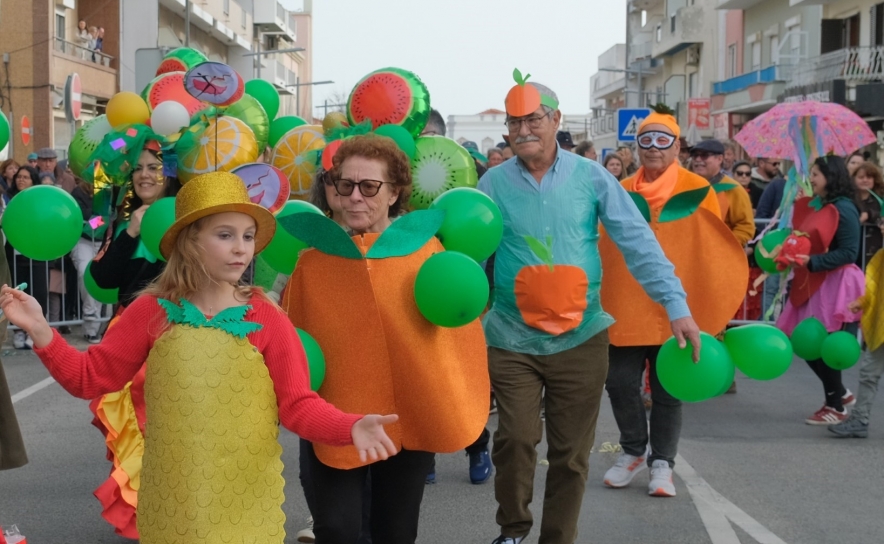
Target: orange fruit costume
(355, 296)
(684, 213)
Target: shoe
(64, 329)
(848, 400)
(93, 339)
(480, 467)
(507, 540)
(431, 478)
(661, 480)
(625, 469)
(18, 340)
(306, 534)
(493, 408)
(827, 416)
(850, 428)
(29, 344)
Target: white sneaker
(18, 340)
(625, 469)
(306, 534)
(661, 480)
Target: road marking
(717, 512)
(32, 389)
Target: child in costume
(223, 368)
(828, 280)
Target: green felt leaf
(322, 233)
(723, 186)
(517, 76)
(543, 251)
(642, 205)
(407, 234)
(232, 320)
(683, 204)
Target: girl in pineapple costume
(224, 368)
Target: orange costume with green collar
(684, 213)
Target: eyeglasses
(743, 173)
(367, 187)
(660, 140)
(702, 155)
(533, 122)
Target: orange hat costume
(684, 213)
(355, 296)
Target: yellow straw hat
(217, 192)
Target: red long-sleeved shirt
(108, 366)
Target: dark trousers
(624, 385)
(831, 378)
(309, 488)
(480, 445)
(397, 489)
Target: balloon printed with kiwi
(439, 164)
(390, 96)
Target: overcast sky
(465, 50)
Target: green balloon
(156, 221)
(278, 128)
(762, 352)
(265, 93)
(43, 222)
(105, 296)
(402, 137)
(807, 339)
(315, 359)
(695, 382)
(250, 111)
(473, 224)
(451, 289)
(770, 241)
(840, 350)
(4, 130)
(282, 251)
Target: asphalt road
(757, 473)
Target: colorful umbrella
(802, 131)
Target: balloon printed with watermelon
(439, 164)
(390, 96)
(181, 59)
(170, 86)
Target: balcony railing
(603, 122)
(739, 83)
(859, 64)
(83, 53)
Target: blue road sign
(628, 121)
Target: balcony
(645, 5)
(853, 64)
(737, 4)
(681, 31)
(604, 84)
(97, 76)
(739, 83)
(603, 122)
(271, 17)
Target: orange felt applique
(382, 355)
(552, 299)
(523, 99)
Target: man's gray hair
(545, 91)
(435, 123)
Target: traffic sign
(73, 98)
(25, 130)
(628, 121)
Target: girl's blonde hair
(185, 273)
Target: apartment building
(41, 47)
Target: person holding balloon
(826, 279)
(357, 296)
(225, 369)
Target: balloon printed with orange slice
(297, 155)
(220, 145)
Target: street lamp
(298, 86)
(260, 53)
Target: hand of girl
(25, 312)
(855, 306)
(134, 228)
(371, 440)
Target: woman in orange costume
(355, 296)
(684, 213)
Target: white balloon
(168, 118)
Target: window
(795, 43)
(644, 18)
(756, 56)
(774, 50)
(59, 25)
(731, 60)
(693, 85)
(226, 7)
(877, 20)
(659, 32)
(242, 13)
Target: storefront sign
(827, 91)
(698, 112)
(721, 123)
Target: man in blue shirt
(546, 328)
